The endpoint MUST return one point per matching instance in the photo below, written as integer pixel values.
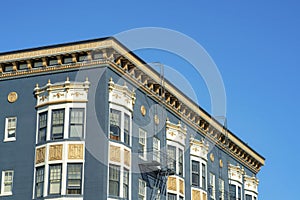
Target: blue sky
(255, 45)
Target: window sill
(9, 139)
(6, 194)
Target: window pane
(74, 179)
(248, 197)
(126, 129)
(39, 186)
(76, 123)
(172, 196)
(115, 122)
(42, 127)
(125, 183)
(203, 176)
(55, 179)
(195, 173)
(11, 127)
(57, 124)
(232, 191)
(172, 158)
(180, 162)
(114, 178)
(8, 181)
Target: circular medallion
(212, 157)
(12, 97)
(143, 110)
(221, 163)
(156, 119)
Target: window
(239, 193)
(8, 68)
(55, 179)
(68, 60)
(232, 192)
(180, 162)
(82, 58)
(204, 176)
(142, 143)
(53, 61)
(171, 158)
(172, 196)
(74, 178)
(195, 173)
(212, 185)
(114, 180)
(115, 123)
(125, 183)
(221, 189)
(38, 64)
(23, 66)
(98, 55)
(126, 129)
(7, 182)
(248, 197)
(57, 124)
(10, 130)
(42, 127)
(76, 122)
(142, 190)
(39, 182)
(156, 149)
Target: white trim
(6, 138)
(201, 162)
(3, 182)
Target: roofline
(145, 64)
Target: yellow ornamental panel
(181, 186)
(40, 155)
(204, 196)
(195, 195)
(172, 183)
(115, 154)
(55, 152)
(126, 157)
(75, 151)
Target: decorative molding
(40, 155)
(127, 157)
(156, 119)
(199, 148)
(114, 153)
(175, 132)
(55, 152)
(204, 196)
(12, 97)
(212, 157)
(172, 185)
(143, 110)
(251, 184)
(181, 186)
(75, 151)
(221, 163)
(196, 194)
(236, 173)
(63, 92)
(121, 95)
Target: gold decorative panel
(204, 196)
(55, 152)
(126, 157)
(75, 151)
(195, 195)
(114, 153)
(172, 183)
(143, 110)
(181, 186)
(40, 155)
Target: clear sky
(255, 45)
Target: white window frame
(177, 147)
(143, 142)
(237, 185)
(156, 149)
(123, 112)
(221, 189)
(142, 189)
(4, 181)
(212, 184)
(6, 134)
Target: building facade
(90, 120)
